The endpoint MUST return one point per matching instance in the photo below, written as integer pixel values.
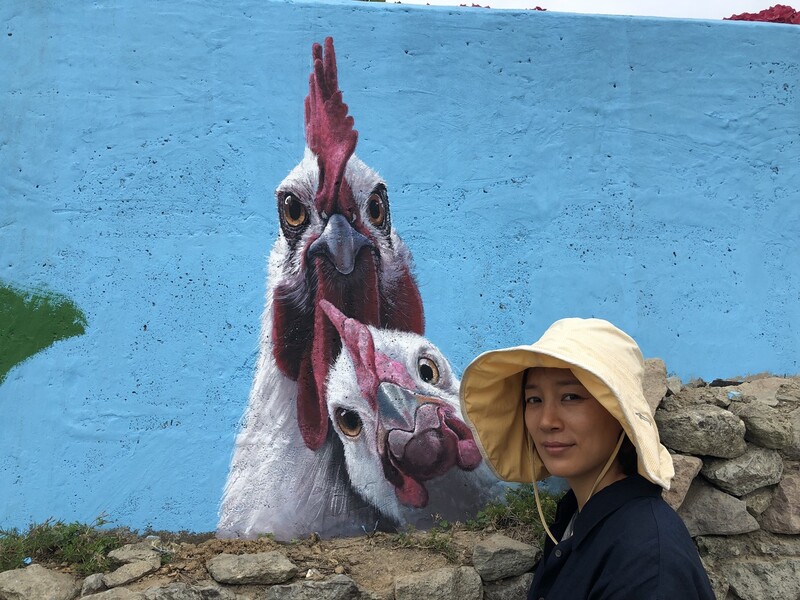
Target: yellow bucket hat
(605, 360)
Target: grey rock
(765, 426)
(717, 396)
(173, 591)
(757, 543)
(129, 573)
(764, 390)
(783, 515)
(792, 449)
(759, 500)
(338, 587)
(655, 382)
(115, 594)
(674, 384)
(709, 511)
(211, 590)
(686, 469)
(756, 468)
(141, 552)
(447, 583)
(764, 578)
(36, 582)
(266, 568)
(499, 556)
(468, 584)
(314, 574)
(93, 584)
(512, 588)
(719, 585)
(789, 392)
(206, 590)
(696, 382)
(701, 429)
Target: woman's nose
(550, 416)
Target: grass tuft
(83, 547)
(438, 538)
(518, 515)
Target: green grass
(84, 547)
(439, 539)
(518, 514)
(516, 517)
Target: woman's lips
(556, 449)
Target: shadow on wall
(32, 320)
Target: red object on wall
(780, 13)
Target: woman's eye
(571, 397)
(428, 370)
(533, 400)
(376, 210)
(349, 422)
(294, 212)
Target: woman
(572, 405)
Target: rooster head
(337, 244)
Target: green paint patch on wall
(30, 321)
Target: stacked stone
(502, 570)
(736, 450)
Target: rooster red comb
(329, 131)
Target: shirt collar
(608, 500)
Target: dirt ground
(373, 561)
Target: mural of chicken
(336, 247)
(393, 401)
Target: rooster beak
(340, 243)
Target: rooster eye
(376, 210)
(294, 212)
(428, 370)
(349, 422)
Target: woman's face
(573, 434)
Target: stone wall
(736, 447)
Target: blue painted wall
(540, 165)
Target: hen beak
(396, 407)
(340, 243)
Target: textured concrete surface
(540, 165)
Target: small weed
(518, 513)
(83, 546)
(438, 538)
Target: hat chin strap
(609, 462)
(533, 455)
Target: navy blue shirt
(627, 544)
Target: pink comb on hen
(329, 132)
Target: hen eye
(349, 422)
(428, 370)
(376, 210)
(294, 213)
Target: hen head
(393, 401)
